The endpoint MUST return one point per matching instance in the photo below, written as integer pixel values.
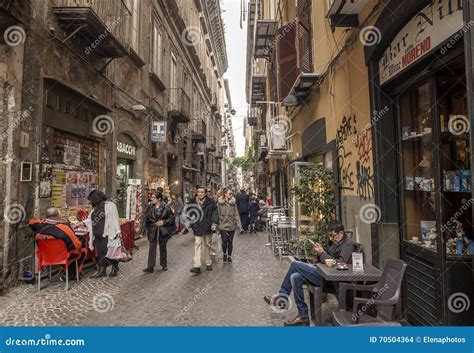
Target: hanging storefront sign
(158, 131)
(428, 29)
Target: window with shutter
(305, 36)
(287, 59)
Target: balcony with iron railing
(199, 131)
(100, 26)
(179, 107)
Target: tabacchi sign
(428, 29)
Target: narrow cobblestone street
(229, 295)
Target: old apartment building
(124, 96)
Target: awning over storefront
(264, 37)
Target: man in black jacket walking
(204, 218)
(242, 200)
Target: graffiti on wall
(355, 163)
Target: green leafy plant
(315, 192)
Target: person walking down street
(204, 216)
(160, 225)
(177, 208)
(300, 273)
(103, 224)
(253, 214)
(242, 200)
(229, 220)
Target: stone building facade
(103, 94)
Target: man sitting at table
(53, 226)
(299, 273)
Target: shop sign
(134, 182)
(125, 148)
(428, 29)
(158, 131)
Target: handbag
(116, 251)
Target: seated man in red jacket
(52, 226)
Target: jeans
(298, 274)
(227, 241)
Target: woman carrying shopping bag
(160, 225)
(229, 221)
(104, 231)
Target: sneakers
(165, 268)
(229, 259)
(225, 258)
(196, 270)
(209, 268)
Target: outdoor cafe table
(331, 274)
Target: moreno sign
(428, 29)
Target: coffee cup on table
(330, 262)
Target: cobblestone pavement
(231, 294)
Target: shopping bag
(116, 251)
(216, 243)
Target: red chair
(52, 251)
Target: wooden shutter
(305, 35)
(287, 59)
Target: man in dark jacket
(204, 218)
(242, 200)
(299, 273)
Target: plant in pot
(315, 192)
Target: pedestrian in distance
(242, 200)
(177, 205)
(253, 214)
(205, 220)
(103, 224)
(229, 221)
(160, 225)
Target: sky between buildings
(236, 40)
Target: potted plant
(314, 192)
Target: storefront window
(418, 170)
(456, 176)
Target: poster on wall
(426, 31)
(58, 188)
(72, 153)
(46, 176)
